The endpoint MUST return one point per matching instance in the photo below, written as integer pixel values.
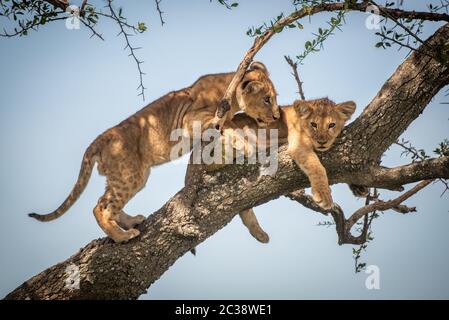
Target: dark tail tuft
(35, 216)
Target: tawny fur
(126, 152)
(308, 127)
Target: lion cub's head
(322, 120)
(256, 95)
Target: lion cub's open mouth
(261, 123)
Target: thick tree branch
(393, 178)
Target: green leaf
(141, 26)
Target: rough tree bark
(125, 271)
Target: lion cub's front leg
(309, 162)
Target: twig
(294, 66)
(389, 15)
(126, 35)
(122, 21)
(417, 155)
(94, 32)
(23, 29)
(82, 9)
(158, 8)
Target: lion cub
(126, 152)
(308, 127)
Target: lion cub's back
(208, 90)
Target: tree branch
(62, 4)
(294, 66)
(128, 46)
(376, 206)
(394, 178)
(260, 41)
(159, 11)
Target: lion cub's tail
(83, 178)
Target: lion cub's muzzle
(268, 119)
(322, 145)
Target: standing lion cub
(126, 152)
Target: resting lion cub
(308, 126)
(126, 152)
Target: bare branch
(32, 26)
(159, 11)
(344, 225)
(91, 28)
(294, 66)
(385, 205)
(83, 8)
(418, 154)
(62, 4)
(128, 46)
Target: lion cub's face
(322, 120)
(256, 95)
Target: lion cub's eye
(267, 100)
(314, 125)
(331, 125)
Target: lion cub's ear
(252, 86)
(257, 65)
(302, 108)
(346, 109)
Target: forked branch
(344, 225)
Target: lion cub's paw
(323, 197)
(128, 235)
(260, 235)
(138, 220)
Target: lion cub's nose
(322, 142)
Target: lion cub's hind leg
(125, 220)
(250, 221)
(107, 212)
(125, 178)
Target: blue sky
(60, 89)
